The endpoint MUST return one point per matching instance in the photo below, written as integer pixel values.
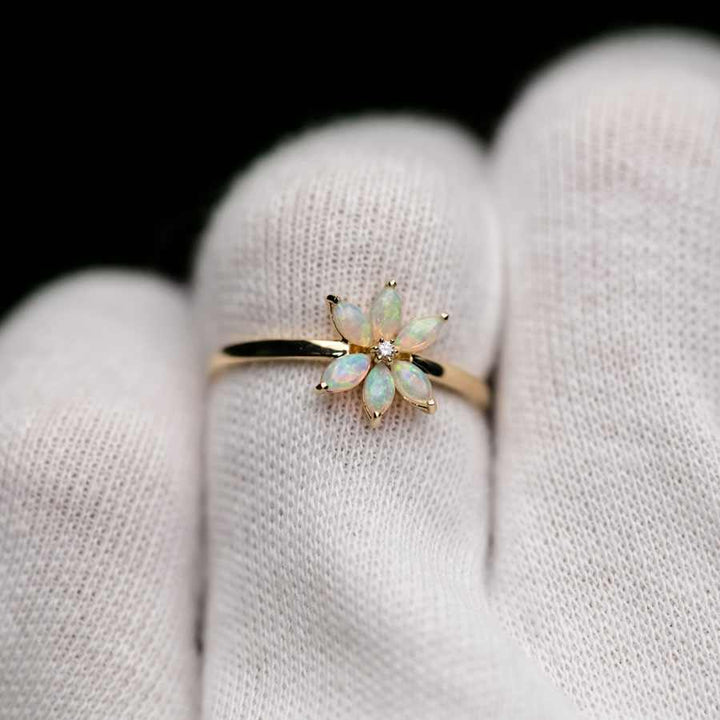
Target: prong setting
(430, 407)
(385, 351)
(374, 418)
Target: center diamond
(385, 350)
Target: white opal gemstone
(346, 372)
(352, 323)
(419, 333)
(386, 314)
(378, 390)
(411, 382)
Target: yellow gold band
(449, 376)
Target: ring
(375, 348)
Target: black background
(123, 135)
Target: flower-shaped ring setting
(380, 353)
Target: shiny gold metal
(446, 375)
(374, 418)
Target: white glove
(348, 572)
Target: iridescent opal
(411, 382)
(352, 323)
(346, 372)
(419, 333)
(378, 390)
(386, 314)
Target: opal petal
(352, 323)
(386, 314)
(378, 390)
(346, 372)
(419, 333)
(412, 383)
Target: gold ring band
(454, 378)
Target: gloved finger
(346, 562)
(606, 564)
(99, 420)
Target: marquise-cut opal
(346, 372)
(386, 314)
(411, 382)
(419, 333)
(378, 390)
(352, 323)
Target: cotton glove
(606, 564)
(100, 419)
(349, 572)
(346, 563)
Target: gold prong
(332, 299)
(373, 417)
(391, 283)
(445, 316)
(321, 386)
(429, 407)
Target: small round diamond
(385, 350)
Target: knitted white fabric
(349, 572)
(346, 564)
(99, 503)
(607, 555)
